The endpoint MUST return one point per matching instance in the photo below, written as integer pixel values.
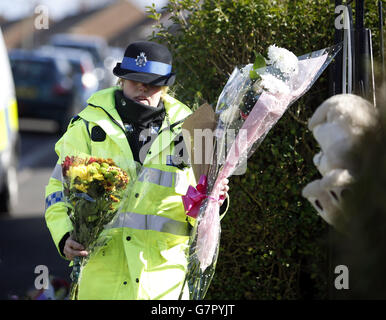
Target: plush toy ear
(321, 200)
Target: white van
(9, 134)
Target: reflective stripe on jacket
(145, 257)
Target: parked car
(9, 135)
(96, 46)
(85, 81)
(44, 88)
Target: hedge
(273, 244)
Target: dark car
(44, 88)
(83, 74)
(94, 45)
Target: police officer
(146, 255)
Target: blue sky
(58, 9)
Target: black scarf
(138, 114)
(137, 117)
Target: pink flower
(66, 165)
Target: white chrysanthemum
(273, 84)
(283, 59)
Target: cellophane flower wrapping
(250, 104)
(93, 189)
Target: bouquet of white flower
(270, 75)
(253, 100)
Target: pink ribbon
(194, 196)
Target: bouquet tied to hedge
(93, 188)
(252, 101)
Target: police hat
(147, 62)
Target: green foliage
(273, 243)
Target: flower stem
(76, 269)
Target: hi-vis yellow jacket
(145, 257)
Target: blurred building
(119, 23)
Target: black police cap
(147, 62)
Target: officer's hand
(224, 191)
(73, 249)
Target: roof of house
(110, 21)
(118, 23)
(18, 32)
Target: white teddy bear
(337, 124)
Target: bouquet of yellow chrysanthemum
(93, 188)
